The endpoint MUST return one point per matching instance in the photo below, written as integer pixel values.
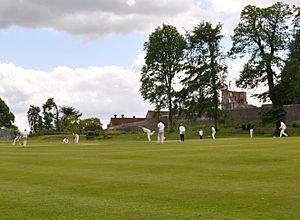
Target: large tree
(205, 71)
(288, 89)
(51, 114)
(7, 118)
(262, 35)
(163, 60)
(35, 119)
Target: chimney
(115, 116)
(122, 115)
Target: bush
(90, 135)
(272, 115)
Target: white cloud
(95, 18)
(95, 91)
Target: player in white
(251, 131)
(17, 138)
(65, 140)
(161, 132)
(213, 132)
(148, 132)
(76, 138)
(181, 132)
(282, 129)
(24, 136)
(201, 134)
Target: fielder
(282, 129)
(213, 132)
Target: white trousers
(282, 132)
(160, 137)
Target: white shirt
(161, 127)
(181, 129)
(201, 133)
(282, 126)
(213, 130)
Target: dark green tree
(69, 110)
(7, 118)
(288, 90)
(51, 115)
(205, 73)
(35, 119)
(262, 35)
(163, 61)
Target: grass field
(226, 178)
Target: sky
(88, 54)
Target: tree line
(185, 73)
(54, 118)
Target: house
(116, 121)
(234, 100)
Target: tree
(90, 124)
(69, 110)
(205, 71)
(288, 89)
(51, 114)
(70, 118)
(7, 118)
(71, 124)
(34, 119)
(164, 56)
(263, 36)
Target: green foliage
(35, 119)
(205, 72)
(70, 124)
(70, 119)
(288, 89)
(163, 61)
(90, 124)
(51, 115)
(272, 115)
(7, 118)
(262, 35)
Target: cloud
(95, 18)
(90, 18)
(95, 91)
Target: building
(234, 99)
(116, 121)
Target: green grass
(229, 178)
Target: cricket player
(76, 138)
(181, 132)
(161, 132)
(24, 136)
(282, 129)
(251, 131)
(213, 132)
(148, 132)
(201, 134)
(17, 138)
(65, 140)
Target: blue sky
(88, 54)
(44, 49)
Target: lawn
(226, 178)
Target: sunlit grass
(229, 178)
